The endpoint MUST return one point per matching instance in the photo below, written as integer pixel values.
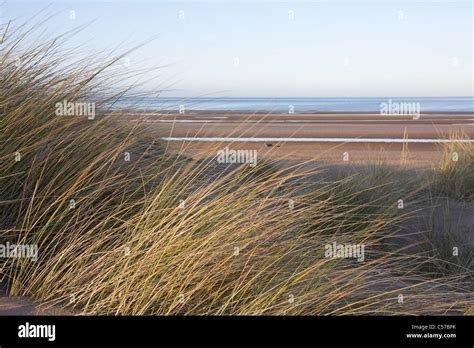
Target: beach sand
(280, 127)
(23, 305)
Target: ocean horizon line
(300, 104)
(326, 97)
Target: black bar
(288, 331)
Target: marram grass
(163, 234)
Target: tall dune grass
(454, 174)
(164, 234)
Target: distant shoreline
(188, 112)
(366, 136)
(300, 105)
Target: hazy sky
(277, 48)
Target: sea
(297, 105)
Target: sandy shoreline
(278, 126)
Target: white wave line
(296, 121)
(318, 140)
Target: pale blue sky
(329, 48)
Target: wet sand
(320, 130)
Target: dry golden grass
(454, 174)
(163, 234)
